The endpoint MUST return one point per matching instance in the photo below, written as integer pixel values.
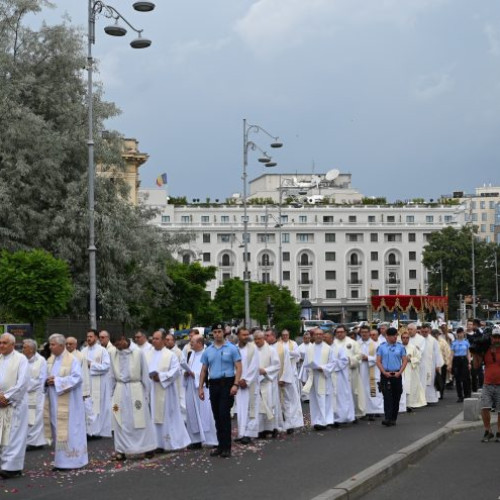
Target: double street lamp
(268, 162)
(96, 7)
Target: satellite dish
(331, 175)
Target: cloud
(433, 85)
(493, 37)
(273, 26)
(182, 51)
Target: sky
(402, 94)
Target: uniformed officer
(391, 361)
(222, 362)
(461, 365)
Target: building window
(329, 237)
(265, 238)
(354, 260)
(263, 219)
(327, 219)
(374, 274)
(483, 228)
(226, 260)
(331, 294)
(304, 294)
(248, 257)
(484, 216)
(352, 219)
(305, 237)
(284, 219)
(304, 260)
(410, 219)
(448, 219)
(286, 275)
(393, 237)
(492, 205)
(330, 256)
(286, 257)
(371, 219)
(393, 292)
(224, 238)
(354, 294)
(412, 255)
(374, 237)
(302, 219)
(185, 219)
(482, 205)
(330, 275)
(354, 237)
(205, 219)
(266, 278)
(206, 256)
(285, 237)
(206, 237)
(186, 258)
(429, 219)
(427, 236)
(412, 274)
(413, 291)
(374, 256)
(391, 219)
(412, 237)
(391, 259)
(266, 261)
(375, 291)
(224, 219)
(165, 219)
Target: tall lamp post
(97, 7)
(267, 161)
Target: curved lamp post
(267, 161)
(97, 7)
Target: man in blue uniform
(391, 361)
(222, 363)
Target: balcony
(308, 263)
(268, 263)
(223, 263)
(356, 263)
(355, 282)
(392, 281)
(305, 282)
(392, 263)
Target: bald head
(71, 344)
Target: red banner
(407, 302)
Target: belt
(221, 381)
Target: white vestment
(343, 401)
(291, 407)
(370, 377)
(353, 352)
(319, 364)
(247, 399)
(36, 397)
(100, 390)
(171, 433)
(412, 386)
(14, 380)
(180, 386)
(200, 421)
(270, 418)
(66, 410)
(431, 359)
(131, 417)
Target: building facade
(334, 256)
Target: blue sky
(402, 94)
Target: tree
(33, 285)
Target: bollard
(472, 409)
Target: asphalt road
(460, 468)
(299, 466)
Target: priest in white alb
(133, 430)
(413, 392)
(64, 413)
(164, 371)
(200, 421)
(14, 380)
(247, 397)
(431, 363)
(99, 365)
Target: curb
(368, 479)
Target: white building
(334, 256)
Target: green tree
(33, 285)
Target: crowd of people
(150, 396)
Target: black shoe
(32, 447)
(225, 454)
(149, 454)
(290, 431)
(387, 423)
(119, 457)
(319, 427)
(10, 474)
(245, 440)
(355, 421)
(497, 437)
(460, 400)
(487, 437)
(392, 423)
(409, 409)
(274, 434)
(194, 446)
(159, 451)
(215, 452)
(261, 435)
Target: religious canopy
(406, 302)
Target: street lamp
(97, 7)
(267, 161)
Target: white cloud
(433, 85)
(182, 51)
(493, 36)
(272, 26)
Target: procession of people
(152, 398)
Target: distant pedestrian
(461, 365)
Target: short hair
(163, 333)
(241, 329)
(92, 330)
(58, 338)
(340, 326)
(31, 343)
(364, 327)
(142, 332)
(118, 336)
(12, 339)
(169, 335)
(258, 334)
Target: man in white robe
(170, 344)
(270, 419)
(288, 354)
(412, 387)
(306, 340)
(37, 366)
(319, 364)
(164, 371)
(370, 374)
(431, 364)
(98, 363)
(200, 421)
(247, 397)
(133, 430)
(14, 381)
(72, 348)
(105, 341)
(353, 352)
(141, 341)
(64, 413)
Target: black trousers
(392, 388)
(222, 402)
(461, 374)
(477, 377)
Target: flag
(161, 179)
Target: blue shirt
(220, 360)
(391, 356)
(460, 347)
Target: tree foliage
(33, 285)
